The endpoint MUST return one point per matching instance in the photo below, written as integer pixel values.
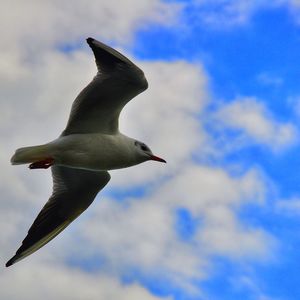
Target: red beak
(153, 157)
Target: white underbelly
(93, 152)
(93, 161)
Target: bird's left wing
(73, 191)
(97, 107)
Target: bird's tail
(29, 154)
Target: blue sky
(221, 219)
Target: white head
(145, 153)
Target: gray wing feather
(73, 192)
(97, 107)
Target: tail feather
(29, 154)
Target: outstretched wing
(98, 106)
(73, 192)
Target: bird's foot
(42, 164)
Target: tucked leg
(42, 164)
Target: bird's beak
(153, 157)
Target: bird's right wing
(73, 192)
(97, 107)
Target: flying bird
(90, 146)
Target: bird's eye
(144, 148)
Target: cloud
(253, 287)
(60, 22)
(60, 282)
(230, 14)
(140, 234)
(226, 14)
(288, 206)
(295, 3)
(294, 6)
(251, 118)
(268, 79)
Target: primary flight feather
(90, 145)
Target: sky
(221, 219)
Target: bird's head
(144, 152)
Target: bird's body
(95, 151)
(92, 151)
(90, 145)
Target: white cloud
(268, 79)
(41, 24)
(255, 289)
(288, 206)
(227, 14)
(253, 119)
(224, 14)
(42, 281)
(141, 234)
(294, 7)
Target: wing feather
(73, 192)
(98, 106)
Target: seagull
(90, 146)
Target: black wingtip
(10, 262)
(89, 40)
